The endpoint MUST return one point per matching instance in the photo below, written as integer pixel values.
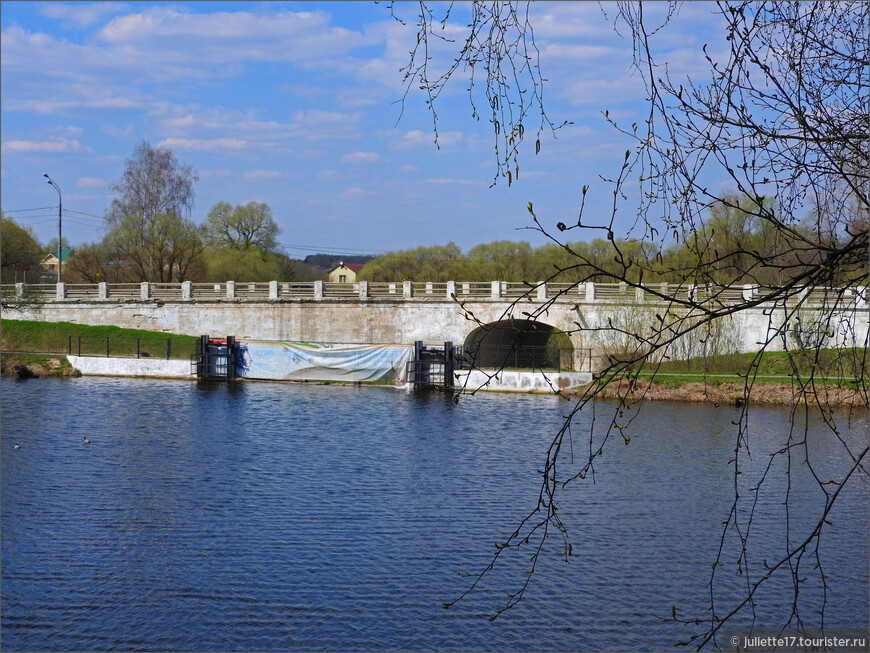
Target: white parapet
(149, 367)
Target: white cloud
(90, 182)
(55, 146)
(356, 193)
(263, 135)
(117, 132)
(445, 180)
(416, 138)
(215, 173)
(200, 145)
(263, 174)
(181, 121)
(63, 106)
(207, 39)
(81, 14)
(362, 157)
(82, 196)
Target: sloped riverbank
(36, 366)
(763, 392)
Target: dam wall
(402, 313)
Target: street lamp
(59, 229)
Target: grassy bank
(829, 366)
(832, 362)
(830, 377)
(55, 337)
(26, 366)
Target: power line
(331, 250)
(89, 219)
(33, 217)
(88, 214)
(39, 208)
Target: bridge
(476, 315)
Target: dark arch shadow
(524, 344)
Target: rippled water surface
(271, 516)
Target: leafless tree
(153, 183)
(783, 117)
(151, 237)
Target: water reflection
(265, 516)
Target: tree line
(150, 235)
(734, 246)
(150, 239)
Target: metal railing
(850, 297)
(131, 347)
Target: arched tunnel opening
(522, 344)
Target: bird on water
(16, 446)
(86, 441)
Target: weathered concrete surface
(151, 367)
(531, 382)
(347, 321)
(399, 321)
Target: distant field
(54, 337)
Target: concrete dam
(474, 315)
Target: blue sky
(294, 104)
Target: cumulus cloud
(263, 174)
(446, 180)
(356, 193)
(117, 132)
(215, 173)
(228, 37)
(201, 145)
(54, 146)
(81, 14)
(362, 157)
(90, 182)
(48, 106)
(416, 138)
(316, 124)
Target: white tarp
(304, 361)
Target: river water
(270, 516)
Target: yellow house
(50, 261)
(345, 272)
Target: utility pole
(59, 228)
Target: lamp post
(59, 228)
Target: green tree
(243, 243)
(163, 249)
(21, 253)
(151, 237)
(502, 260)
(243, 226)
(94, 263)
(436, 263)
(51, 245)
(251, 264)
